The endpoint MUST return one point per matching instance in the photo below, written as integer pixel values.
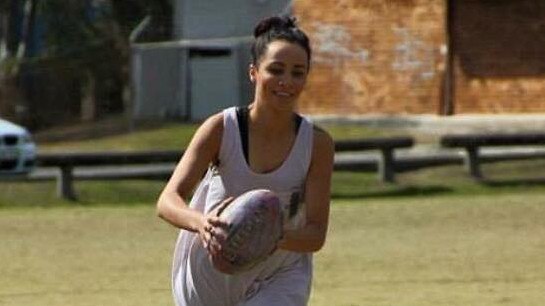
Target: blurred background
(67, 62)
(437, 108)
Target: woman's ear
(252, 71)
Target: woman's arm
(311, 237)
(202, 150)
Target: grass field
(442, 250)
(176, 136)
(435, 238)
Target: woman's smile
(282, 94)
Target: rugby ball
(255, 227)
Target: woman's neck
(271, 121)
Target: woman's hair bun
(274, 23)
(277, 28)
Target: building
(370, 57)
(205, 68)
(425, 56)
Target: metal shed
(189, 79)
(206, 68)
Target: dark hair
(278, 28)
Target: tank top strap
(303, 147)
(230, 141)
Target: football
(255, 227)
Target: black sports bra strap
(298, 120)
(242, 118)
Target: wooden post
(386, 171)
(472, 162)
(65, 181)
(448, 99)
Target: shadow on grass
(402, 191)
(518, 182)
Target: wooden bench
(473, 142)
(386, 163)
(66, 162)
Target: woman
(266, 145)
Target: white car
(17, 149)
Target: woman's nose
(285, 81)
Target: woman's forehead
(283, 51)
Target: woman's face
(281, 74)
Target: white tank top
(195, 281)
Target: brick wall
(501, 56)
(387, 56)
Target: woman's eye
(298, 74)
(275, 71)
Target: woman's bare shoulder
(207, 139)
(211, 128)
(214, 122)
(322, 139)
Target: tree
(129, 15)
(76, 50)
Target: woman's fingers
(214, 236)
(215, 229)
(214, 218)
(205, 238)
(222, 206)
(217, 222)
(215, 245)
(211, 243)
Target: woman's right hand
(213, 229)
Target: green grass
(481, 250)
(90, 193)
(177, 136)
(84, 256)
(166, 137)
(442, 250)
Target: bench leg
(472, 163)
(65, 181)
(386, 171)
